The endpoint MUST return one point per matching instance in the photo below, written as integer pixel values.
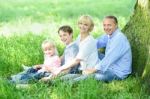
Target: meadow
(24, 24)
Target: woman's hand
(88, 71)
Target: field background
(24, 24)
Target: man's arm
(102, 41)
(116, 50)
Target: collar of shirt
(70, 44)
(113, 34)
(80, 42)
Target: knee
(99, 76)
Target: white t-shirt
(88, 53)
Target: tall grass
(87, 89)
(45, 16)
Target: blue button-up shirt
(118, 57)
(102, 41)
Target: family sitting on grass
(81, 58)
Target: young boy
(66, 35)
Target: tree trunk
(138, 32)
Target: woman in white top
(88, 54)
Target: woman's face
(84, 26)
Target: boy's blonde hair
(88, 20)
(51, 43)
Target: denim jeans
(101, 55)
(75, 69)
(106, 76)
(72, 78)
(29, 75)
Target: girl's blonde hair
(51, 43)
(88, 20)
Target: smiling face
(85, 24)
(84, 27)
(109, 25)
(48, 49)
(65, 37)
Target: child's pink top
(52, 61)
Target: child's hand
(45, 79)
(37, 67)
(56, 71)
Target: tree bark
(138, 33)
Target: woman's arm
(89, 71)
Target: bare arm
(73, 63)
(89, 71)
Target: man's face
(109, 26)
(65, 37)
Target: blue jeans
(106, 76)
(101, 55)
(29, 75)
(72, 78)
(75, 69)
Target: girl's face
(49, 50)
(84, 26)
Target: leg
(75, 70)
(107, 76)
(69, 76)
(101, 55)
(40, 75)
(31, 70)
(81, 77)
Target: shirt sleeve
(102, 41)
(116, 50)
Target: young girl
(51, 58)
(87, 55)
(51, 61)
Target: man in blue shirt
(116, 63)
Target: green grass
(24, 24)
(130, 88)
(45, 16)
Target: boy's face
(109, 26)
(49, 50)
(65, 37)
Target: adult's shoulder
(120, 34)
(121, 37)
(103, 36)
